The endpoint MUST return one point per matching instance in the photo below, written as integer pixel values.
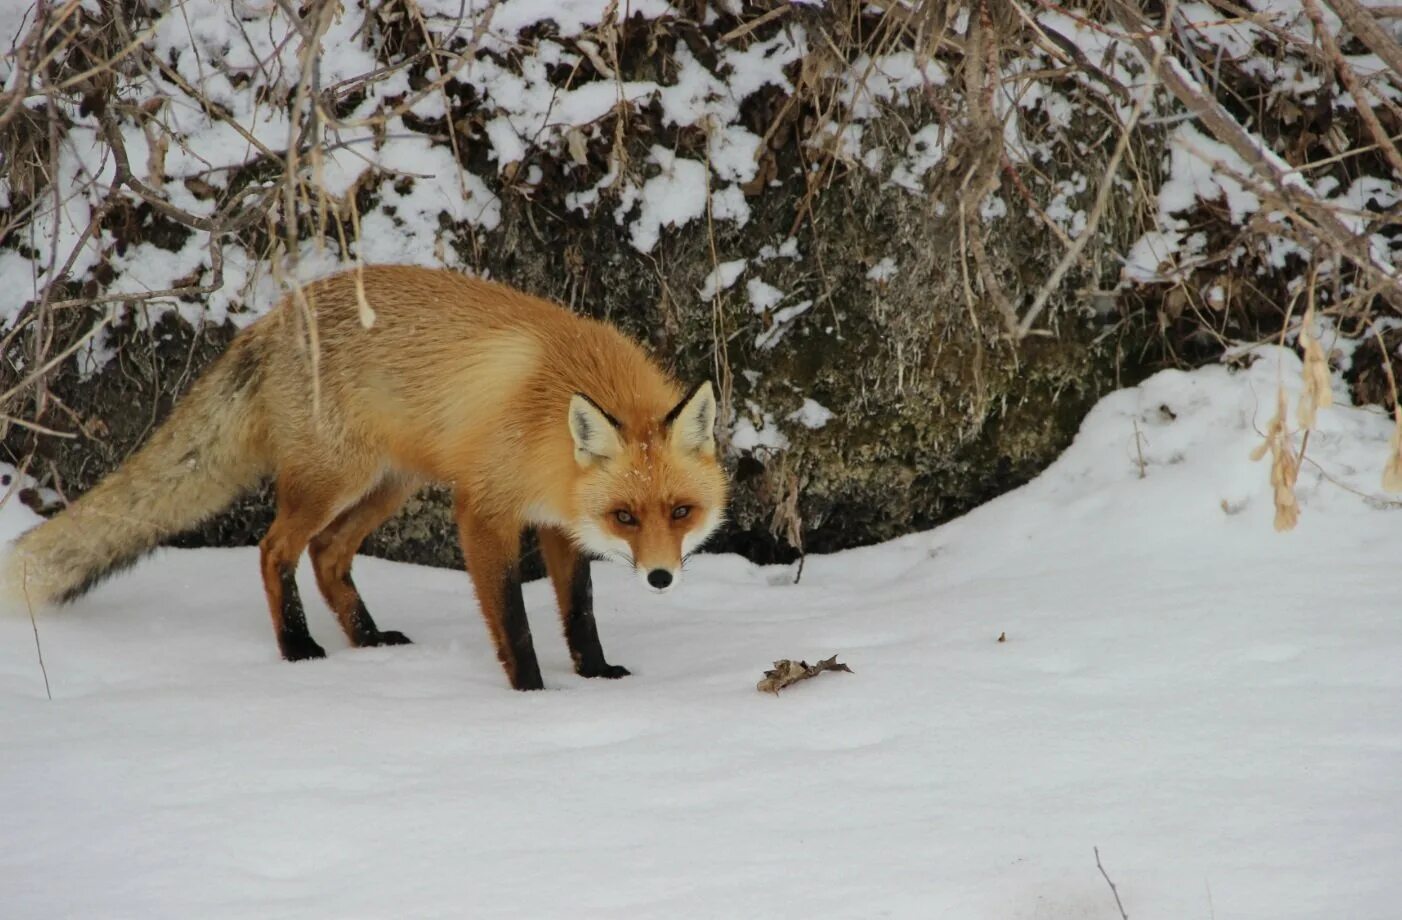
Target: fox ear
(693, 420)
(595, 432)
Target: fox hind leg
(305, 503)
(333, 551)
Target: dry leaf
(1392, 472)
(579, 149)
(1284, 467)
(1317, 393)
(157, 144)
(787, 672)
(1284, 470)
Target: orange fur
(458, 381)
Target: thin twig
(1139, 448)
(34, 624)
(1113, 890)
(753, 24)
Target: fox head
(651, 496)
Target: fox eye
(625, 518)
(680, 512)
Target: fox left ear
(692, 421)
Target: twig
(1139, 448)
(1387, 363)
(34, 624)
(747, 28)
(1113, 890)
(34, 426)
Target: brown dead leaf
(786, 672)
(1284, 467)
(1392, 472)
(1317, 393)
(578, 146)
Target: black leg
(524, 669)
(582, 631)
(293, 639)
(360, 626)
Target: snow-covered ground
(1216, 706)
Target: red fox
(534, 416)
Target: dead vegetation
(786, 673)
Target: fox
(534, 416)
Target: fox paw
(608, 671)
(387, 637)
(300, 648)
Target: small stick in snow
(1139, 447)
(787, 672)
(1113, 890)
(24, 581)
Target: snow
(1212, 704)
(722, 278)
(869, 82)
(676, 195)
(781, 321)
(15, 18)
(1203, 169)
(734, 152)
(883, 271)
(763, 295)
(756, 432)
(1149, 253)
(812, 414)
(924, 151)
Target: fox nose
(659, 578)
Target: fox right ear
(693, 420)
(595, 432)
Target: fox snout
(659, 579)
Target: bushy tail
(211, 450)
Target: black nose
(659, 578)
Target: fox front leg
(574, 591)
(492, 556)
